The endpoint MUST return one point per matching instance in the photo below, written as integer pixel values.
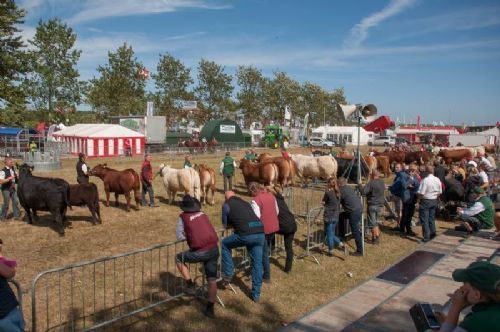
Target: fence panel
(301, 200)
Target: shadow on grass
(121, 205)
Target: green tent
(224, 131)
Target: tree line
(40, 81)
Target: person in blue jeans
(11, 318)
(351, 203)
(375, 197)
(331, 214)
(428, 193)
(248, 232)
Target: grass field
(38, 247)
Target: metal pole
(358, 177)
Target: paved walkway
(381, 305)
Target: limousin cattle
(43, 194)
(314, 167)
(394, 156)
(450, 156)
(348, 168)
(286, 168)
(383, 165)
(490, 148)
(119, 183)
(266, 173)
(419, 157)
(186, 180)
(207, 182)
(474, 150)
(86, 194)
(371, 163)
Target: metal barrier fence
(302, 200)
(43, 161)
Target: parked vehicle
(321, 142)
(384, 141)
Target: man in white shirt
(428, 192)
(8, 178)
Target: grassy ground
(38, 247)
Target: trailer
(154, 127)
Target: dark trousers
(82, 179)
(266, 252)
(354, 222)
(147, 188)
(228, 182)
(427, 216)
(406, 216)
(289, 250)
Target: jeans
(427, 216)
(397, 206)
(266, 252)
(373, 213)
(13, 322)
(82, 179)
(354, 222)
(147, 188)
(208, 258)
(330, 238)
(407, 215)
(471, 220)
(254, 244)
(228, 182)
(9, 195)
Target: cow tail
(67, 199)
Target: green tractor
(273, 136)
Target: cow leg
(97, 209)
(59, 220)
(28, 213)
(91, 208)
(116, 199)
(107, 197)
(128, 198)
(213, 195)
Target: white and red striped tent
(101, 140)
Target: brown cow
(86, 194)
(207, 182)
(263, 172)
(394, 156)
(419, 157)
(371, 163)
(286, 168)
(383, 165)
(455, 155)
(119, 182)
(490, 148)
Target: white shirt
(85, 169)
(487, 162)
(256, 208)
(179, 230)
(430, 187)
(483, 176)
(477, 208)
(2, 173)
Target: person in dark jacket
(248, 232)
(331, 212)
(374, 192)
(351, 203)
(410, 184)
(453, 189)
(288, 227)
(195, 227)
(11, 318)
(82, 169)
(146, 181)
(8, 179)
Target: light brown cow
(207, 182)
(490, 148)
(286, 168)
(371, 163)
(383, 165)
(455, 155)
(264, 172)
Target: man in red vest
(266, 208)
(147, 181)
(195, 227)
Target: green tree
(251, 95)
(282, 91)
(120, 88)
(53, 78)
(214, 90)
(172, 81)
(12, 66)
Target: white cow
(314, 167)
(186, 179)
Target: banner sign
(227, 129)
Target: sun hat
(190, 204)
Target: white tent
(101, 140)
(340, 134)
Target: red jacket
(268, 215)
(146, 171)
(199, 232)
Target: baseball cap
(472, 163)
(481, 275)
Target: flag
(144, 73)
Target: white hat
(472, 163)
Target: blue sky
(436, 58)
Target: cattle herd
(56, 195)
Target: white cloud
(359, 32)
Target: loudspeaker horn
(348, 110)
(368, 110)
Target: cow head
(162, 167)
(25, 169)
(99, 170)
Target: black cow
(86, 194)
(348, 168)
(44, 194)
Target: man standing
(187, 162)
(374, 192)
(410, 186)
(428, 193)
(395, 190)
(82, 170)
(480, 215)
(227, 167)
(146, 181)
(249, 233)
(8, 179)
(266, 209)
(195, 227)
(352, 206)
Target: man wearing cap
(82, 170)
(480, 215)
(195, 227)
(481, 289)
(428, 192)
(248, 232)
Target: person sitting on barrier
(82, 169)
(288, 227)
(481, 290)
(351, 203)
(249, 233)
(374, 192)
(201, 237)
(8, 179)
(266, 209)
(331, 212)
(11, 318)
(478, 216)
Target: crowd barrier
(301, 200)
